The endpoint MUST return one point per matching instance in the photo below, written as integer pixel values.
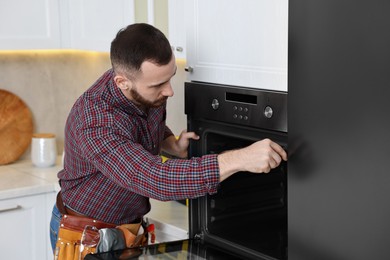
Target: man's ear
(120, 81)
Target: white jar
(43, 149)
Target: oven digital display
(236, 97)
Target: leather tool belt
(80, 235)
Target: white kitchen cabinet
(241, 43)
(177, 27)
(24, 227)
(93, 24)
(50, 199)
(68, 24)
(26, 24)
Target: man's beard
(139, 100)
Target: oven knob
(215, 104)
(268, 112)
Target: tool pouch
(69, 246)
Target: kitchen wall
(50, 81)
(159, 16)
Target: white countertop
(170, 219)
(22, 178)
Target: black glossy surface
(236, 105)
(186, 249)
(339, 129)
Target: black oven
(247, 217)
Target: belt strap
(75, 220)
(67, 211)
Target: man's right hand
(259, 157)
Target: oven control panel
(240, 112)
(244, 106)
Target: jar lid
(43, 135)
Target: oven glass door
(248, 214)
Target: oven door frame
(198, 209)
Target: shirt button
(154, 146)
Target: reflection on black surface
(186, 249)
(254, 216)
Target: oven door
(248, 214)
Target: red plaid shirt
(112, 164)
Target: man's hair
(137, 43)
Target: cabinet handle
(189, 69)
(10, 208)
(177, 48)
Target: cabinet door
(50, 200)
(23, 228)
(94, 23)
(177, 27)
(241, 43)
(27, 24)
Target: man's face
(152, 86)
